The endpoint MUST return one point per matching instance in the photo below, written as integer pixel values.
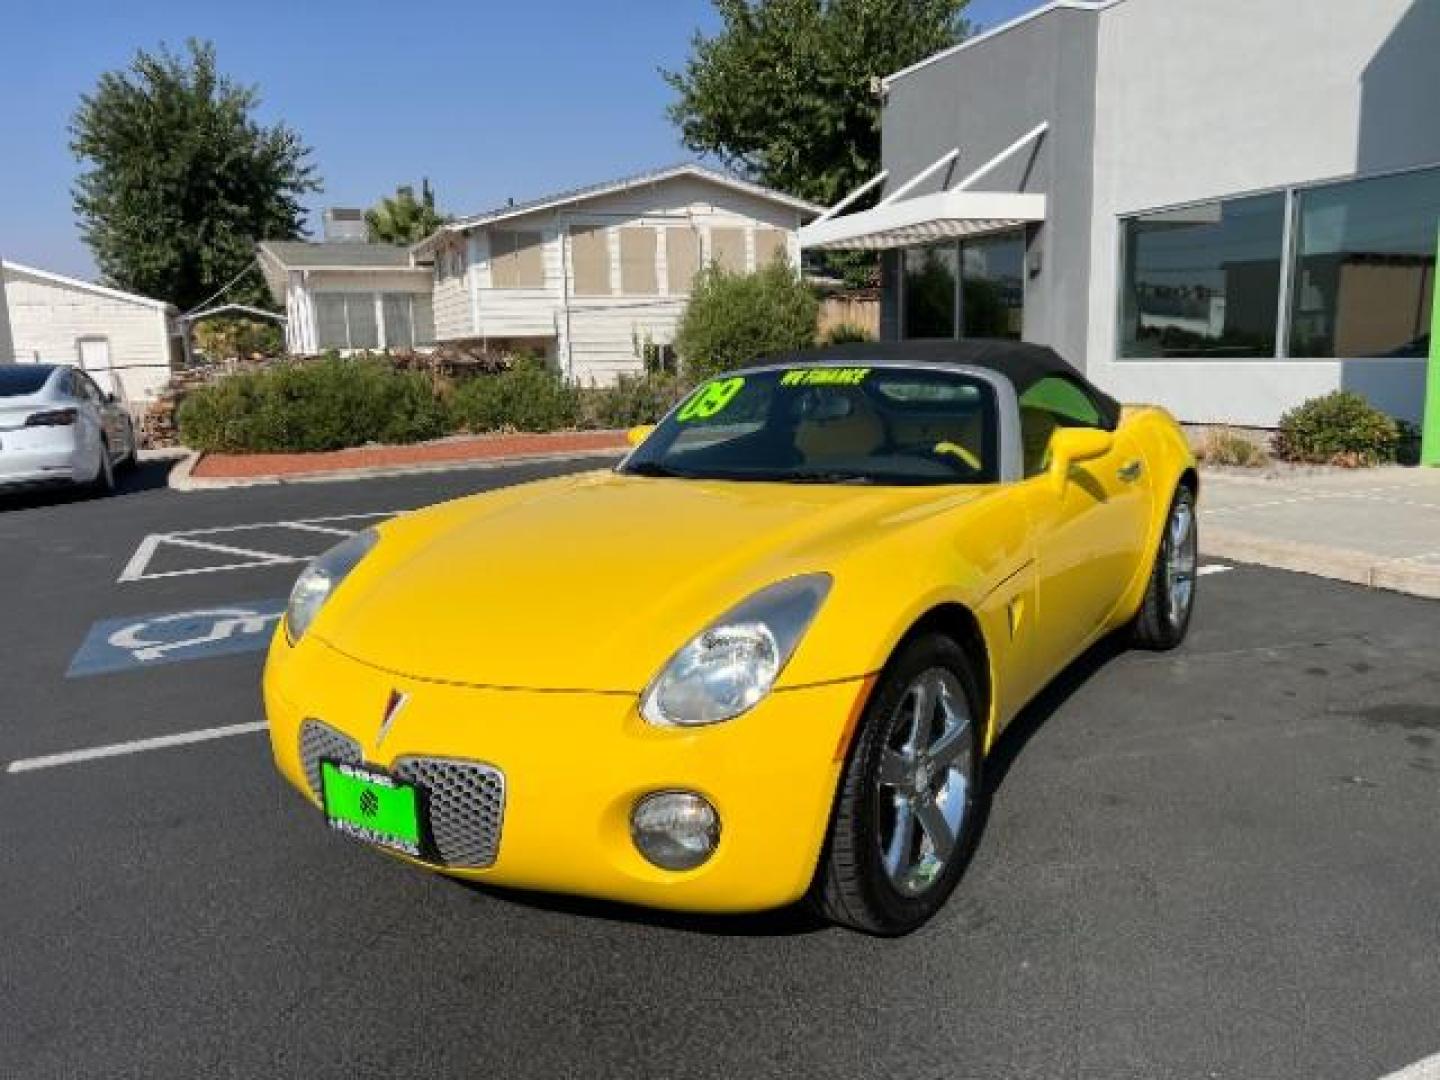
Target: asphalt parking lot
(1221, 862)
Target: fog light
(675, 830)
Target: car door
(1088, 531)
(95, 415)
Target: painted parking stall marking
(241, 547)
(141, 641)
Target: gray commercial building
(1221, 206)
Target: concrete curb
(182, 478)
(1339, 564)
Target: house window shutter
(727, 248)
(769, 245)
(637, 262)
(516, 260)
(682, 259)
(590, 257)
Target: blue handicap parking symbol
(140, 641)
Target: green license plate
(372, 806)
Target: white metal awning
(957, 212)
(942, 216)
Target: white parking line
(1429, 1069)
(139, 746)
(1213, 568)
(138, 568)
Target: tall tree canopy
(402, 218)
(182, 180)
(783, 92)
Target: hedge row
(334, 403)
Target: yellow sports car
(760, 660)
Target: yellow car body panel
(525, 623)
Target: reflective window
(1203, 281)
(993, 286)
(930, 291)
(1365, 267)
(399, 323)
(346, 321)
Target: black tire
(1163, 620)
(852, 885)
(104, 482)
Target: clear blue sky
(488, 99)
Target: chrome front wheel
(1164, 616)
(924, 781)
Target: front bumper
(574, 765)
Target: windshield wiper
(823, 476)
(654, 468)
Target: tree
(403, 219)
(733, 319)
(183, 181)
(784, 95)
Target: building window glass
(590, 259)
(727, 249)
(399, 321)
(992, 277)
(1204, 281)
(331, 331)
(637, 262)
(1365, 267)
(682, 258)
(346, 321)
(516, 260)
(929, 291)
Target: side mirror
(636, 435)
(1070, 446)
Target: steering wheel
(950, 449)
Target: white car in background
(57, 426)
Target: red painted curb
(477, 448)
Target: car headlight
(729, 667)
(320, 578)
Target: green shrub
(634, 399)
(1224, 446)
(324, 405)
(734, 319)
(529, 397)
(844, 333)
(1339, 428)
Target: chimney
(345, 226)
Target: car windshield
(21, 380)
(862, 425)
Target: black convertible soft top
(1022, 363)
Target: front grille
(318, 741)
(466, 803)
(466, 799)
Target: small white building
(128, 343)
(348, 295)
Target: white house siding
(595, 336)
(451, 301)
(49, 318)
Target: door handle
(1130, 471)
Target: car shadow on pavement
(783, 922)
(1046, 704)
(146, 476)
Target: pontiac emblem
(392, 709)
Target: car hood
(591, 582)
